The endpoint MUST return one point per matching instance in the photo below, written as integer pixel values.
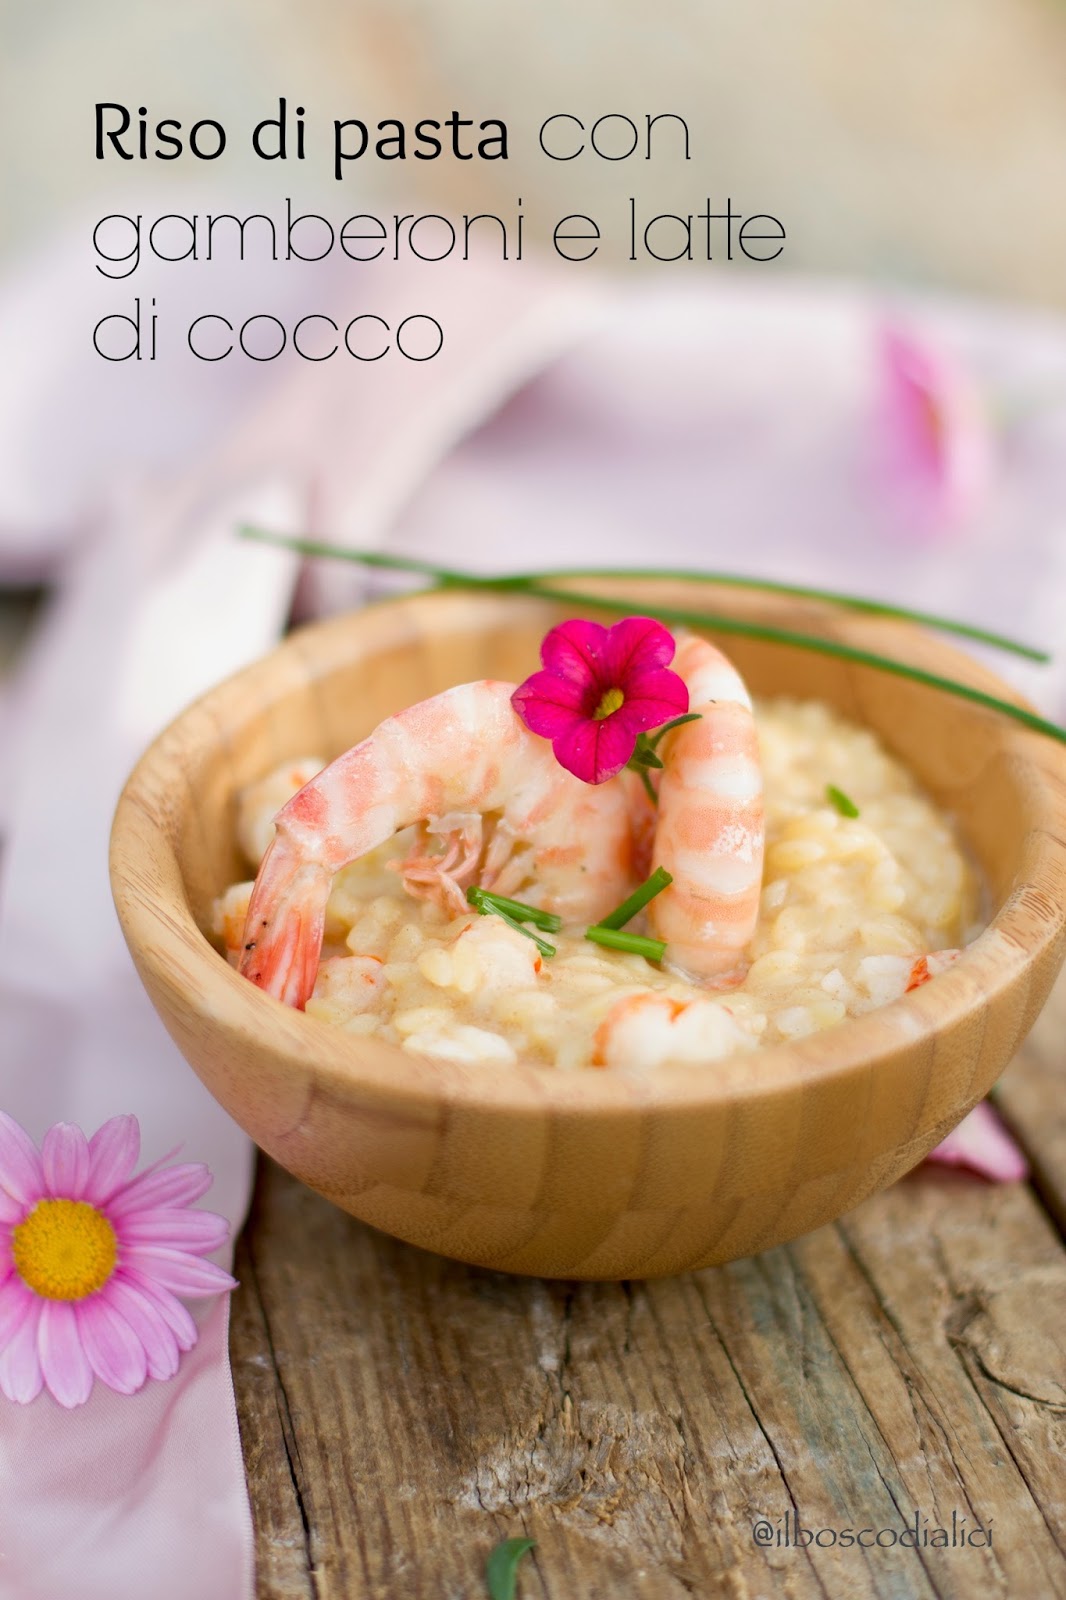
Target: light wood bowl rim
(162, 933)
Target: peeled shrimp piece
(229, 914)
(464, 751)
(487, 959)
(259, 803)
(651, 1030)
(710, 831)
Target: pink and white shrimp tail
(286, 919)
(466, 751)
(710, 832)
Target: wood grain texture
(402, 1413)
(591, 1175)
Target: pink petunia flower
(599, 690)
(982, 1144)
(937, 434)
(92, 1259)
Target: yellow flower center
(64, 1250)
(612, 699)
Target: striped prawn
(710, 830)
(464, 766)
(709, 836)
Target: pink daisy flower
(92, 1259)
(937, 434)
(600, 689)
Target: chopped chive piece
(659, 880)
(501, 1569)
(844, 804)
(516, 909)
(636, 943)
(668, 727)
(483, 904)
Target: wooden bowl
(590, 1174)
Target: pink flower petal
(21, 1173)
(21, 1378)
(113, 1350)
(64, 1363)
(596, 751)
(175, 1186)
(617, 738)
(982, 1144)
(113, 1152)
(11, 1210)
(914, 383)
(937, 431)
(636, 645)
(176, 1270)
(575, 749)
(172, 1311)
(574, 650)
(654, 698)
(65, 1159)
(582, 662)
(148, 1323)
(549, 705)
(177, 1227)
(16, 1303)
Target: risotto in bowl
(594, 1033)
(865, 895)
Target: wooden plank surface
(402, 1413)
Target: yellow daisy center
(64, 1250)
(612, 699)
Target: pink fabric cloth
(648, 442)
(131, 1496)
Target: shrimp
(464, 753)
(649, 1029)
(710, 830)
(259, 803)
(709, 835)
(930, 966)
(228, 916)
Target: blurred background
(921, 141)
(913, 145)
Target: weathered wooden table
(725, 1433)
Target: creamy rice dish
(853, 911)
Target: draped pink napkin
(131, 1496)
(724, 427)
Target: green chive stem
(649, 787)
(659, 880)
(547, 920)
(813, 642)
(483, 905)
(698, 619)
(501, 1569)
(843, 803)
(731, 580)
(634, 943)
(668, 727)
(799, 591)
